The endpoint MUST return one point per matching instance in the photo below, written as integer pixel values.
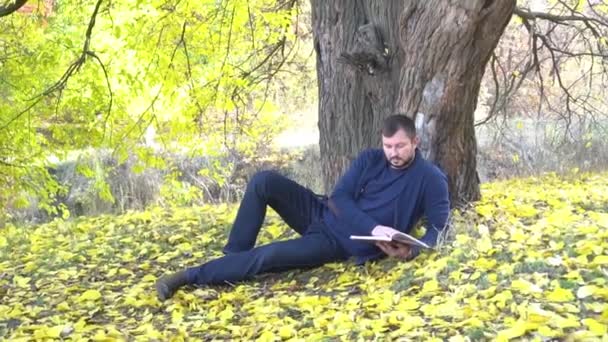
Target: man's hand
(397, 250)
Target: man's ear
(416, 140)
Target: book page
(410, 240)
(370, 238)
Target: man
(383, 190)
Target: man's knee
(270, 257)
(260, 180)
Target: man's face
(399, 149)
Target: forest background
(120, 106)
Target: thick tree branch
(10, 9)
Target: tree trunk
(422, 58)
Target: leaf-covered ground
(530, 261)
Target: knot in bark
(368, 52)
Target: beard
(399, 163)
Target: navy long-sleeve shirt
(371, 192)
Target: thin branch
(251, 29)
(525, 14)
(105, 72)
(569, 34)
(280, 44)
(496, 92)
(140, 119)
(72, 69)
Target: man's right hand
(395, 250)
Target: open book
(397, 237)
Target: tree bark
(421, 58)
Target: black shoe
(167, 285)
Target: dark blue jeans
(299, 207)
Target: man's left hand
(397, 250)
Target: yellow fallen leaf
(600, 260)
(588, 229)
(41, 333)
(113, 332)
(226, 314)
(525, 287)
(485, 210)
(21, 281)
(177, 316)
(502, 298)
(100, 335)
(89, 295)
(82, 322)
(184, 247)
(266, 336)
(63, 306)
(560, 295)
(595, 327)
(518, 235)
(536, 314)
(598, 307)
(461, 240)
(457, 338)
(286, 331)
(582, 335)
(150, 331)
(576, 275)
(65, 255)
(517, 330)
(407, 304)
(484, 263)
(149, 278)
(434, 339)
(484, 244)
(563, 323)
(429, 287)
(557, 245)
(124, 271)
(174, 238)
(54, 332)
(586, 291)
(549, 332)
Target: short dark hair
(393, 123)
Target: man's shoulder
(371, 153)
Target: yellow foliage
(528, 263)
